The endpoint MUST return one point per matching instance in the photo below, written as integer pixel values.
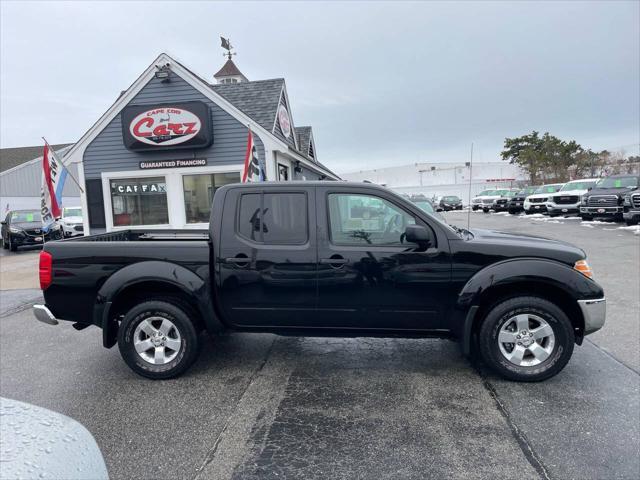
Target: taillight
(46, 273)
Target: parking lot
(261, 406)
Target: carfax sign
(167, 126)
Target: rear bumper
(43, 314)
(594, 313)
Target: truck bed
(144, 235)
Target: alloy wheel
(157, 340)
(526, 340)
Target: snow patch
(635, 229)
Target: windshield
(24, 216)
(551, 188)
(486, 192)
(450, 199)
(528, 190)
(578, 186)
(618, 182)
(72, 212)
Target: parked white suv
(537, 202)
(71, 221)
(476, 202)
(568, 198)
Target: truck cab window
(366, 220)
(274, 218)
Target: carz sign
(167, 126)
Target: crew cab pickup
(324, 259)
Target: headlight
(584, 200)
(15, 230)
(627, 199)
(583, 267)
(54, 227)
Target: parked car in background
(427, 206)
(537, 202)
(569, 197)
(377, 265)
(476, 202)
(450, 202)
(516, 204)
(606, 198)
(22, 228)
(631, 208)
(71, 221)
(487, 200)
(502, 204)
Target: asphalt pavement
(262, 406)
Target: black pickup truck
(324, 259)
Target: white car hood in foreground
(569, 192)
(72, 220)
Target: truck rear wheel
(158, 340)
(526, 339)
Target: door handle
(336, 261)
(237, 260)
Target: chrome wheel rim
(157, 340)
(526, 340)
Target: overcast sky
(382, 84)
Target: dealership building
(158, 154)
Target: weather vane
(226, 44)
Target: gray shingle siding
(107, 153)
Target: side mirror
(439, 209)
(419, 234)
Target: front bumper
(563, 208)
(535, 207)
(43, 314)
(631, 214)
(594, 313)
(601, 210)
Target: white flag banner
(54, 175)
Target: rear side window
(274, 218)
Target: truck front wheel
(158, 340)
(526, 339)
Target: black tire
(186, 353)
(512, 211)
(632, 222)
(485, 210)
(501, 313)
(586, 218)
(527, 212)
(474, 208)
(5, 244)
(12, 246)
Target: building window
(139, 201)
(274, 218)
(198, 193)
(283, 173)
(366, 220)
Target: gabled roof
(304, 137)
(229, 69)
(12, 157)
(258, 99)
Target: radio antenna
(470, 177)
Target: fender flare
(549, 273)
(197, 288)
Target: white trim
(293, 124)
(83, 200)
(275, 119)
(175, 194)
